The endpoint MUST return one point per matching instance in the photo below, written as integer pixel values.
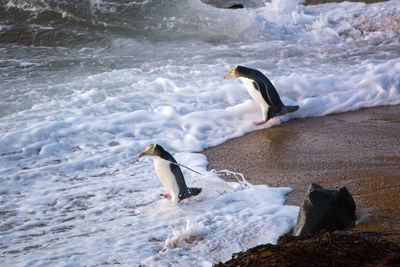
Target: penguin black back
(261, 86)
(269, 93)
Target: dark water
(75, 23)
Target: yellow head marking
(232, 73)
(150, 149)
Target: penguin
(262, 91)
(169, 174)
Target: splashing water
(237, 175)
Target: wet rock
(325, 209)
(236, 6)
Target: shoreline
(359, 150)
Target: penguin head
(240, 71)
(152, 150)
(243, 72)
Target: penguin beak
(227, 76)
(142, 154)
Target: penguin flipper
(180, 180)
(261, 88)
(184, 191)
(269, 92)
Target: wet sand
(359, 150)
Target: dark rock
(320, 249)
(325, 209)
(236, 6)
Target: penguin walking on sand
(169, 174)
(262, 91)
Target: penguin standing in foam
(169, 173)
(262, 91)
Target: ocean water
(86, 85)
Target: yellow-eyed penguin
(169, 173)
(262, 91)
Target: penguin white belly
(255, 94)
(166, 177)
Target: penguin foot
(258, 122)
(166, 195)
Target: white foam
(72, 189)
(121, 215)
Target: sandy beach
(359, 150)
